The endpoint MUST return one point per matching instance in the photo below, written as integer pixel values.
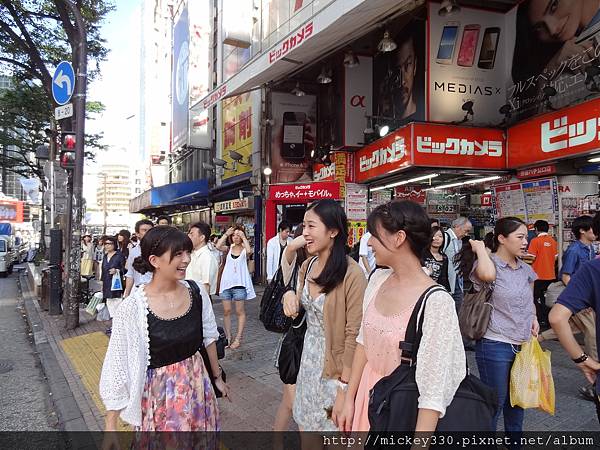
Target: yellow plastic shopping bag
(531, 383)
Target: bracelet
(342, 381)
(581, 359)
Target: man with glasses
(461, 227)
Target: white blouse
(441, 359)
(236, 273)
(128, 354)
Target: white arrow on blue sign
(63, 83)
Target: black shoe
(587, 392)
(108, 331)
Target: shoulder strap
(310, 264)
(414, 329)
(197, 297)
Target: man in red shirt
(544, 249)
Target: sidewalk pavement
(255, 385)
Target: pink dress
(382, 335)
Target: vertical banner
(399, 77)
(356, 202)
(467, 52)
(199, 71)
(293, 136)
(180, 93)
(358, 95)
(237, 135)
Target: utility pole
(104, 206)
(71, 309)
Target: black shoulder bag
(221, 341)
(393, 402)
(271, 304)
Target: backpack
(393, 403)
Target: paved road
(23, 389)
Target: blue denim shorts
(236, 294)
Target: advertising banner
(413, 193)
(572, 131)
(529, 201)
(356, 230)
(11, 211)
(358, 97)
(467, 57)
(293, 136)
(384, 156)
(356, 201)
(237, 135)
(180, 92)
(451, 146)
(307, 192)
(557, 47)
(399, 76)
(341, 168)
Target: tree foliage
(35, 35)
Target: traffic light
(67, 150)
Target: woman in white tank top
(236, 282)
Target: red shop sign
(570, 131)
(299, 193)
(536, 172)
(453, 146)
(414, 193)
(383, 156)
(11, 211)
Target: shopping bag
(93, 303)
(87, 267)
(103, 314)
(116, 284)
(531, 382)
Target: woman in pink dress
(400, 231)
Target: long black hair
(334, 218)
(403, 215)
(158, 241)
(466, 257)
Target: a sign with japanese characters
(234, 205)
(306, 192)
(237, 135)
(571, 131)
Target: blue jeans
(236, 294)
(494, 361)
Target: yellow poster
(237, 135)
(356, 229)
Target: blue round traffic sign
(63, 83)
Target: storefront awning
(340, 22)
(171, 195)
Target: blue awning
(171, 195)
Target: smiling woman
(156, 342)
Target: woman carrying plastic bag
(531, 382)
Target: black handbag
(291, 350)
(271, 304)
(198, 298)
(393, 402)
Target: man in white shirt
(275, 247)
(132, 276)
(203, 267)
(461, 227)
(366, 257)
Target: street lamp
(42, 152)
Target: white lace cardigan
(128, 354)
(441, 359)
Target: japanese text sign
(237, 134)
(298, 193)
(383, 156)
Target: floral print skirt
(179, 397)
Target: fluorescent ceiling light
(400, 183)
(464, 183)
(596, 159)
(487, 193)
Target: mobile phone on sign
(468, 46)
(445, 52)
(292, 146)
(489, 47)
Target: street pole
(104, 203)
(74, 262)
(52, 159)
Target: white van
(8, 257)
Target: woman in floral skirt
(153, 375)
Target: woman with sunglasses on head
(400, 232)
(513, 319)
(330, 288)
(236, 281)
(154, 376)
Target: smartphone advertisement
(467, 54)
(399, 76)
(293, 137)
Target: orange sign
(570, 131)
(11, 211)
(461, 147)
(340, 169)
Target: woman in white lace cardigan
(156, 336)
(400, 231)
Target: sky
(117, 88)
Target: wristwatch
(581, 359)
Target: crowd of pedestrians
(355, 313)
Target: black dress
(117, 261)
(439, 269)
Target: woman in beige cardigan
(331, 288)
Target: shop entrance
(293, 214)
